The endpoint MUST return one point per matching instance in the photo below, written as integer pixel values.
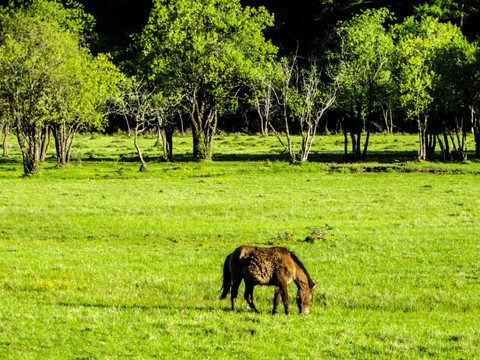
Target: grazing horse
(275, 266)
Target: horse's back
(262, 265)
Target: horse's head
(304, 296)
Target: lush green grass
(101, 261)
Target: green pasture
(100, 261)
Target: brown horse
(275, 266)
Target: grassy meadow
(101, 261)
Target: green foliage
(420, 45)
(454, 105)
(69, 15)
(31, 60)
(206, 50)
(444, 9)
(419, 42)
(361, 68)
(80, 91)
(213, 42)
(364, 54)
(48, 78)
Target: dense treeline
(259, 66)
(302, 23)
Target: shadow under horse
(274, 266)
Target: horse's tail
(227, 278)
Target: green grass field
(100, 261)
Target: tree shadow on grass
(8, 160)
(382, 157)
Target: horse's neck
(301, 278)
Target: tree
(454, 95)
(301, 98)
(263, 98)
(313, 99)
(48, 79)
(418, 44)
(4, 127)
(458, 12)
(30, 53)
(415, 83)
(148, 109)
(286, 93)
(87, 84)
(361, 69)
(207, 50)
(474, 70)
(138, 104)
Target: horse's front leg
(249, 294)
(276, 299)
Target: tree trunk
(160, 141)
(204, 126)
(476, 131)
(388, 118)
(356, 137)
(431, 144)
(143, 166)
(30, 142)
(278, 137)
(168, 143)
(264, 124)
(268, 107)
(263, 116)
(365, 146)
(442, 148)
(60, 144)
(308, 137)
(290, 145)
(356, 140)
(477, 142)
(199, 144)
(45, 142)
(345, 143)
(6, 131)
(422, 153)
(447, 147)
(64, 135)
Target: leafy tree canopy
(208, 43)
(48, 78)
(206, 50)
(69, 15)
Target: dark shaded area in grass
(382, 157)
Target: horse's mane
(300, 264)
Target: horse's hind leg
(276, 299)
(249, 294)
(234, 291)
